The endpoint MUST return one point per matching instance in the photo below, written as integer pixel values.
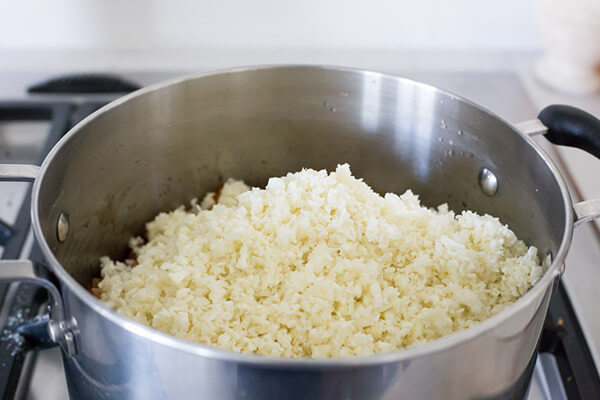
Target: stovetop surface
(560, 369)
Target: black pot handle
(570, 126)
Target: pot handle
(18, 172)
(55, 329)
(569, 126)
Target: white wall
(267, 24)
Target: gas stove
(39, 111)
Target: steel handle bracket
(18, 172)
(57, 328)
(586, 210)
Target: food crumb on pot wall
(318, 265)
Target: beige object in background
(570, 31)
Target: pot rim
(553, 272)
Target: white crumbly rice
(318, 265)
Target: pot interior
(161, 148)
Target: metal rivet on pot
(62, 227)
(488, 182)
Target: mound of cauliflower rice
(317, 265)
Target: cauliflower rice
(318, 265)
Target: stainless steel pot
(160, 146)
